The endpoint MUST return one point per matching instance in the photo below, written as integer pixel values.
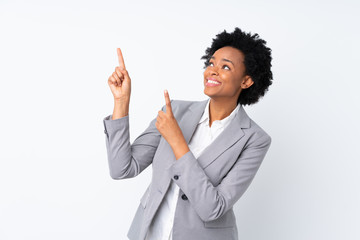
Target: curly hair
(257, 61)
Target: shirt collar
(205, 117)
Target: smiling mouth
(212, 82)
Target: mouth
(211, 82)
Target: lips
(211, 82)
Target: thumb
(125, 73)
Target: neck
(220, 109)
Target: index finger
(168, 102)
(121, 59)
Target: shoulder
(183, 105)
(252, 131)
(257, 134)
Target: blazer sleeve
(128, 160)
(211, 202)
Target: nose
(213, 70)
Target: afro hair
(257, 61)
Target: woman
(204, 154)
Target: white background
(56, 57)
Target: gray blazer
(209, 185)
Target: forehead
(229, 53)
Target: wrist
(121, 101)
(121, 109)
(180, 148)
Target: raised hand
(170, 130)
(120, 82)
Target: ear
(246, 82)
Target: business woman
(204, 154)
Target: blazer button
(176, 177)
(184, 197)
(105, 131)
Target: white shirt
(161, 226)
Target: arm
(128, 160)
(209, 201)
(212, 202)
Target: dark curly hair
(257, 61)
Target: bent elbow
(213, 214)
(118, 175)
(115, 177)
(209, 218)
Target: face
(224, 77)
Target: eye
(211, 64)
(226, 66)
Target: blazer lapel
(191, 119)
(231, 134)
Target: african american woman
(204, 154)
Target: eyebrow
(224, 59)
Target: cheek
(231, 80)
(206, 72)
(226, 77)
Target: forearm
(192, 180)
(118, 147)
(212, 199)
(180, 148)
(128, 160)
(121, 108)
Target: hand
(120, 82)
(170, 130)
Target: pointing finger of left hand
(168, 102)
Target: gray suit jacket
(209, 185)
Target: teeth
(213, 82)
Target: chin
(207, 93)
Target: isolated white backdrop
(56, 57)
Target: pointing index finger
(167, 101)
(121, 59)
